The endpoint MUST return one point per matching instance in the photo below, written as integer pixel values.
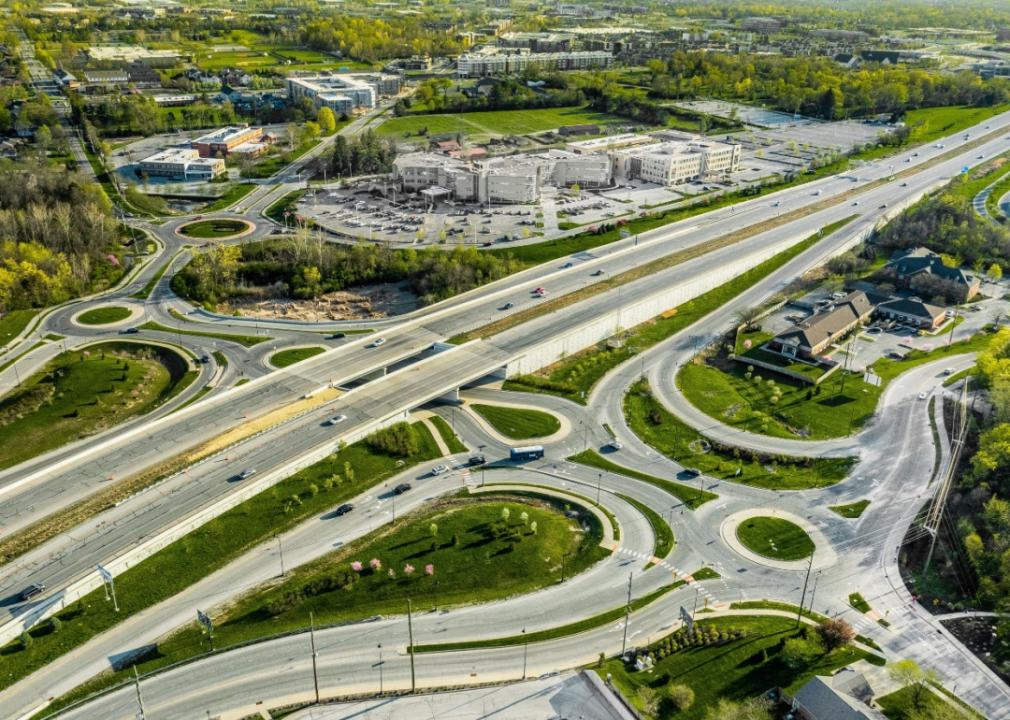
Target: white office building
(182, 164)
(675, 161)
(494, 62)
(343, 93)
(568, 168)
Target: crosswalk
(710, 599)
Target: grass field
(928, 124)
(231, 196)
(692, 497)
(448, 436)
(307, 493)
(900, 705)
(244, 340)
(214, 228)
(518, 423)
(859, 603)
(660, 429)
(734, 669)
(104, 315)
(575, 377)
(145, 292)
(13, 322)
(493, 122)
(660, 528)
(283, 358)
(852, 510)
(81, 393)
(775, 538)
(273, 162)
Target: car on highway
(598, 273)
(343, 509)
(507, 306)
(923, 395)
(129, 331)
(948, 371)
(204, 359)
(440, 470)
(337, 336)
(690, 472)
(336, 420)
(855, 202)
(401, 488)
(614, 445)
(567, 265)
(540, 292)
(33, 590)
(377, 342)
(246, 474)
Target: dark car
(476, 460)
(343, 509)
(691, 472)
(205, 359)
(598, 273)
(337, 336)
(401, 488)
(129, 331)
(32, 591)
(508, 306)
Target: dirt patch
(363, 303)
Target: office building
(182, 164)
(343, 93)
(240, 139)
(492, 62)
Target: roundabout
(216, 229)
(107, 315)
(777, 539)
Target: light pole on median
(312, 645)
(280, 552)
(380, 668)
(526, 647)
(599, 479)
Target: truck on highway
(529, 452)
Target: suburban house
(808, 339)
(913, 312)
(844, 696)
(920, 261)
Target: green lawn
(448, 436)
(663, 431)
(929, 124)
(283, 358)
(307, 493)
(231, 196)
(576, 376)
(518, 423)
(692, 497)
(283, 204)
(214, 228)
(104, 315)
(775, 538)
(743, 665)
(900, 705)
(852, 510)
(145, 292)
(494, 122)
(660, 528)
(244, 340)
(13, 322)
(275, 161)
(81, 393)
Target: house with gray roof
(846, 695)
(917, 262)
(808, 339)
(913, 311)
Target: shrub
(399, 440)
(681, 697)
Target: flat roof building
(481, 64)
(182, 163)
(674, 161)
(231, 139)
(343, 93)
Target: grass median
(775, 538)
(450, 439)
(104, 315)
(309, 492)
(575, 377)
(851, 510)
(244, 340)
(518, 423)
(691, 497)
(284, 358)
(658, 427)
(662, 533)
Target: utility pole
(280, 552)
(380, 668)
(813, 593)
(803, 597)
(599, 479)
(526, 647)
(410, 636)
(935, 513)
(140, 698)
(312, 644)
(953, 322)
(627, 617)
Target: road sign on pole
(204, 619)
(110, 586)
(686, 617)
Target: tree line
(366, 154)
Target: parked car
(401, 488)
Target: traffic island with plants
(658, 427)
(518, 423)
(456, 550)
(775, 538)
(724, 665)
(851, 510)
(214, 229)
(104, 315)
(84, 392)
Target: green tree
(681, 697)
(327, 121)
(995, 272)
(909, 674)
(798, 653)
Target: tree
(752, 709)
(505, 514)
(680, 696)
(748, 316)
(433, 529)
(835, 633)
(648, 700)
(798, 653)
(909, 674)
(995, 272)
(327, 121)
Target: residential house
(810, 338)
(912, 311)
(911, 265)
(847, 695)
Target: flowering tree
(356, 566)
(533, 527)
(391, 573)
(429, 569)
(525, 517)
(433, 529)
(505, 514)
(375, 564)
(408, 569)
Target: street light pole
(280, 552)
(599, 479)
(410, 636)
(312, 643)
(380, 668)
(526, 646)
(627, 617)
(803, 596)
(140, 698)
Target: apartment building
(674, 161)
(492, 62)
(343, 93)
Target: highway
(44, 486)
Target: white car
(439, 469)
(246, 474)
(948, 371)
(336, 419)
(923, 395)
(377, 342)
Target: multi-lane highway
(38, 488)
